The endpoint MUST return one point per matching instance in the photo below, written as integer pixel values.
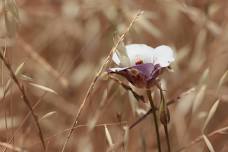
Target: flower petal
(163, 56)
(115, 70)
(142, 75)
(139, 51)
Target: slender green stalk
(155, 119)
(167, 137)
(165, 118)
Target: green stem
(165, 125)
(167, 137)
(155, 119)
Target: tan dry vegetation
(60, 46)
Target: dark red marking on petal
(138, 61)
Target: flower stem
(167, 137)
(155, 119)
(165, 118)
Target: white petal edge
(163, 55)
(116, 69)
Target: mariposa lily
(141, 64)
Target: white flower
(141, 65)
(141, 53)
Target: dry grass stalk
(121, 143)
(39, 59)
(221, 81)
(199, 98)
(106, 61)
(92, 122)
(198, 139)
(47, 115)
(73, 36)
(26, 118)
(12, 147)
(208, 143)
(108, 136)
(126, 138)
(210, 114)
(44, 88)
(25, 98)
(48, 139)
(8, 84)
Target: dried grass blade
(199, 98)
(126, 138)
(48, 115)
(92, 122)
(150, 28)
(204, 77)
(40, 60)
(25, 98)
(208, 143)
(12, 147)
(19, 68)
(108, 136)
(44, 88)
(221, 81)
(11, 17)
(199, 138)
(17, 72)
(210, 114)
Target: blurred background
(56, 48)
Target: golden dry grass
(56, 49)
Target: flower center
(138, 61)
